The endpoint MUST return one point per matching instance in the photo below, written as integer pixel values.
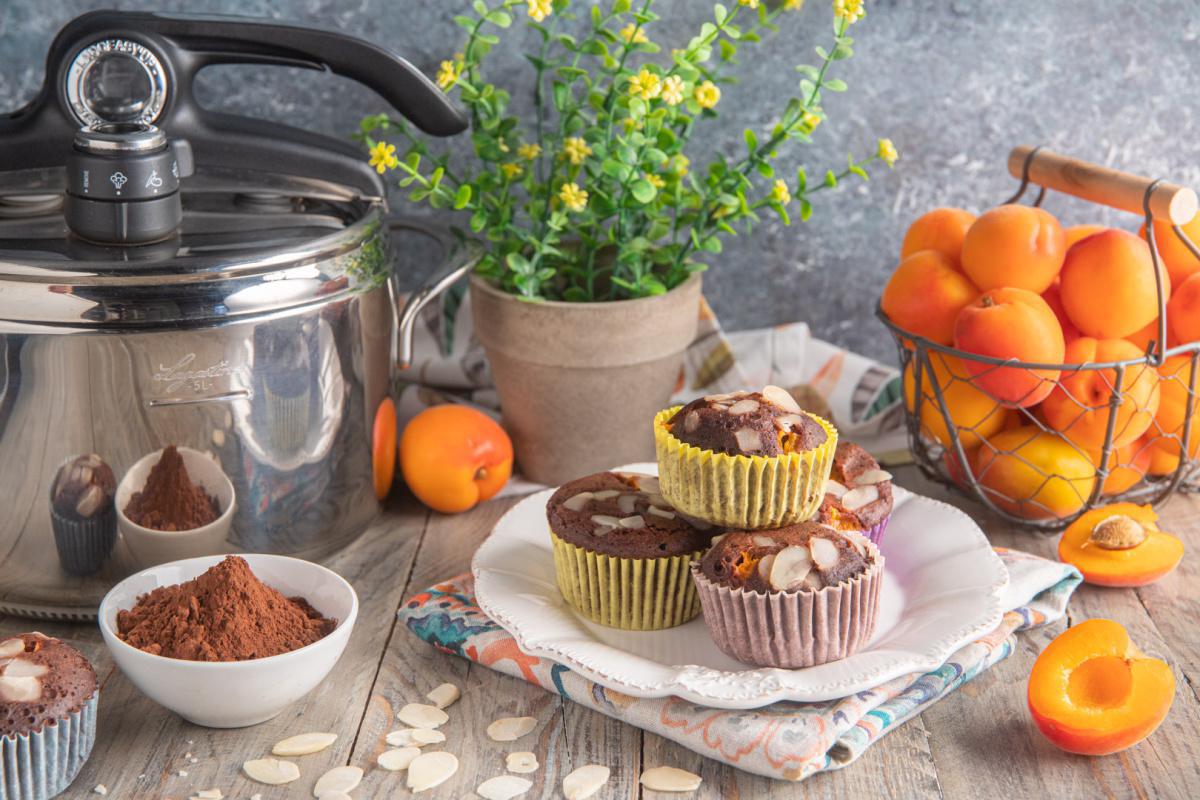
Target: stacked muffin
(780, 554)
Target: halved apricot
(1120, 545)
(1093, 692)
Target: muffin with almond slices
(858, 494)
(792, 597)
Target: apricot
(1166, 435)
(942, 230)
(1142, 338)
(1093, 692)
(972, 412)
(1178, 259)
(1108, 287)
(1120, 545)
(383, 447)
(1077, 233)
(1012, 324)
(1126, 465)
(1017, 246)
(454, 456)
(1183, 311)
(1079, 405)
(925, 294)
(1053, 298)
(1034, 474)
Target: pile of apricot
(1012, 285)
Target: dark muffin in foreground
(858, 494)
(48, 698)
(791, 597)
(621, 552)
(744, 460)
(82, 513)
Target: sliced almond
(398, 758)
(271, 771)
(12, 647)
(636, 521)
(670, 779)
(824, 552)
(326, 796)
(444, 695)
(746, 406)
(836, 489)
(788, 422)
(24, 668)
(691, 421)
(509, 729)
(424, 736)
(431, 769)
(338, 779)
(857, 541)
(20, 688)
(861, 496)
(764, 566)
(503, 787)
(420, 715)
(303, 744)
(791, 565)
(748, 440)
(584, 782)
(401, 738)
(762, 540)
(578, 501)
(717, 538)
(782, 398)
(208, 794)
(648, 484)
(606, 494)
(627, 503)
(605, 521)
(521, 761)
(660, 512)
(873, 476)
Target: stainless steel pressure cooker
(170, 275)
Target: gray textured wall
(954, 83)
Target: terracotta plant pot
(580, 383)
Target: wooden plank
(142, 749)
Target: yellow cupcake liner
(743, 492)
(635, 594)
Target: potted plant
(598, 223)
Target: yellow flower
(510, 170)
(780, 193)
(809, 121)
(887, 152)
(633, 34)
(629, 125)
(383, 157)
(540, 9)
(849, 10)
(793, 5)
(679, 165)
(748, 3)
(645, 85)
(654, 180)
(529, 151)
(672, 90)
(707, 94)
(574, 198)
(576, 149)
(447, 74)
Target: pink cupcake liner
(793, 629)
(875, 532)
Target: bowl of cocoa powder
(229, 641)
(175, 503)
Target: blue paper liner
(42, 764)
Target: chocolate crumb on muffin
(82, 513)
(766, 423)
(806, 557)
(48, 697)
(858, 494)
(621, 552)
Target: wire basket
(1046, 475)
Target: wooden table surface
(978, 742)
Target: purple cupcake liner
(875, 532)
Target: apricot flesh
(1144, 563)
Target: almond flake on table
(670, 779)
(419, 715)
(431, 769)
(397, 759)
(509, 729)
(338, 779)
(271, 771)
(503, 787)
(444, 695)
(414, 737)
(100, 789)
(303, 744)
(521, 762)
(208, 794)
(585, 782)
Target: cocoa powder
(170, 501)
(225, 614)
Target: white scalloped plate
(942, 588)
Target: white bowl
(233, 694)
(151, 547)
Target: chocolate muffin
(48, 698)
(744, 460)
(621, 552)
(82, 513)
(792, 597)
(858, 494)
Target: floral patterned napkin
(789, 741)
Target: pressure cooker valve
(123, 183)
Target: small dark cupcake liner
(287, 420)
(793, 629)
(84, 544)
(42, 764)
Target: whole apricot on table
(925, 294)
(1053, 298)
(1120, 545)
(1183, 311)
(383, 447)
(1077, 233)
(1166, 434)
(1108, 287)
(453, 457)
(1034, 474)
(1179, 260)
(1093, 692)
(942, 230)
(1016, 246)
(1015, 324)
(1126, 465)
(973, 413)
(1080, 405)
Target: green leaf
(480, 8)
(562, 95)
(821, 53)
(622, 6)
(499, 18)
(478, 221)
(464, 22)
(805, 210)
(751, 140)
(643, 190)
(834, 85)
(711, 245)
(720, 13)
(462, 196)
(801, 181)
(830, 179)
(765, 169)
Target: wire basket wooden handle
(1085, 180)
